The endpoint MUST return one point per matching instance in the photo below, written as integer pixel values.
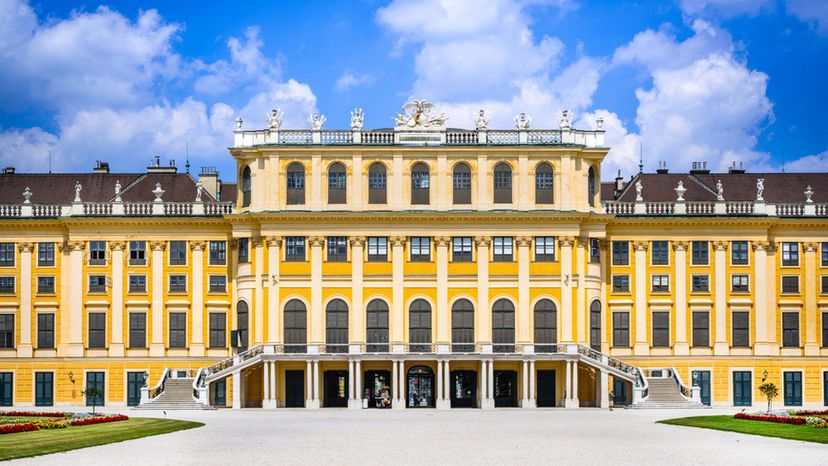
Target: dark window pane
(295, 184)
(218, 330)
(46, 330)
(461, 183)
(419, 326)
(377, 249)
(137, 330)
(502, 184)
(544, 184)
(295, 249)
(621, 329)
(503, 326)
(178, 253)
(296, 324)
(461, 249)
(661, 328)
(377, 184)
(700, 253)
(620, 253)
(420, 184)
(218, 252)
(377, 326)
(544, 248)
(178, 330)
(462, 326)
(701, 328)
(45, 254)
(740, 321)
(97, 329)
(337, 184)
(546, 326)
(337, 249)
(790, 329)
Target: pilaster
(681, 346)
(642, 346)
(581, 310)
(357, 313)
(567, 333)
(257, 307)
(761, 307)
(397, 297)
(317, 331)
(75, 314)
(274, 243)
(157, 306)
(524, 318)
(484, 323)
(116, 345)
(810, 293)
(720, 345)
(197, 334)
(443, 330)
(24, 347)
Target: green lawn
(41, 442)
(768, 429)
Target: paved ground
(389, 437)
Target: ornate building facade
(417, 266)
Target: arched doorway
(242, 325)
(420, 387)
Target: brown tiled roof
(227, 192)
(607, 190)
(97, 187)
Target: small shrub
(15, 428)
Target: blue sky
(693, 80)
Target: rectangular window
(178, 283)
(97, 330)
(739, 253)
(824, 254)
(218, 330)
(97, 283)
(660, 253)
(137, 283)
(544, 249)
(739, 283)
(6, 254)
(740, 321)
(137, 253)
(218, 252)
(178, 329)
(46, 284)
(792, 388)
(178, 253)
(661, 284)
(97, 253)
(594, 250)
(790, 283)
(502, 250)
(824, 284)
(701, 328)
(661, 328)
(790, 254)
(700, 283)
(790, 329)
(6, 285)
(6, 330)
(244, 250)
(218, 284)
(621, 329)
(295, 249)
(137, 330)
(377, 249)
(825, 329)
(45, 254)
(420, 249)
(621, 283)
(620, 253)
(46, 331)
(461, 249)
(337, 249)
(700, 253)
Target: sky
(720, 81)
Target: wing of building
(414, 266)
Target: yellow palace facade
(413, 267)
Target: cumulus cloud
(813, 12)
(725, 8)
(809, 163)
(350, 79)
(247, 66)
(624, 145)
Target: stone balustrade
(116, 209)
(710, 208)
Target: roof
(227, 191)
(778, 187)
(48, 188)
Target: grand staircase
(664, 393)
(177, 394)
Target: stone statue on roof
(639, 191)
(158, 192)
(274, 120)
(199, 190)
(522, 121)
(78, 189)
(482, 121)
(357, 118)
(417, 113)
(680, 190)
(760, 189)
(27, 196)
(808, 194)
(316, 121)
(117, 190)
(565, 118)
(719, 191)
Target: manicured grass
(24, 444)
(767, 429)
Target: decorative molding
(198, 245)
(603, 244)
(583, 241)
(810, 246)
(641, 245)
(274, 241)
(75, 245)
(566, 241)
(158, 245)
(442, 240)
(357, 241)
(681, 245)
(525, 241)
(398, 240)
(256, 241)
(316, 241)
(25, 247)
(483, 241)
(763, 246)
(720, 245)
(117, 245)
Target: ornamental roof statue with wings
(418, 113)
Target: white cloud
(248, 66)
(624, 145)
(350, 79)
(725, 8)
(813, 12)
(809, 163)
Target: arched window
(296, 326)
(242, 325)
(461, 181)
(337, 184)
(502, 183)
(462, 326)
(419, 326)
(544, 184)
(245, 187)
(503, 326)
(419, 184)
(546, 326)
(377, 184)
(336, 326)
(377, 326)
(595, 325)
(295, 184)
(591, 187)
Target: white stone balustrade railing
(97, 208)
(378, 137)
(503, 137)
(117, 209)
(461, 137)
(659, 208)
(715, 208)
(9, 210)
(739, 207)
(700, 207)
(178, 208)
(337, 137)
(790, 210)
(544, 137)
(295, 137)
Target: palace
(414, 266)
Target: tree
(92, 394)
(771, 391)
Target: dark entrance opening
(463, 389)
(294, 389)
(420, 387)
(825, 388)
(220, 393)
(135, 380)
(336, 389)
(546, 389)
(619, 392)
(742, 387)
(792, 388)
(95, 380)
(378, 389)
(6, 387)
(505, 389)
(44, 389)
(701, 379)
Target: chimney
(156, 167)
(619, 183)
(699, 168)
(209, 178)
(736, 169)
(101, 167)
(8, 171)
(662, 168)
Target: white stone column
(395, 385)
(274, 243)
(524, 402)
(397, 297)
(317, 331)
(266, 384)
(484, 383)
(681, 346)
(603, 381)
(24, 347)
(315, 403)
(316, 183)
(396, 182)
(442, 388)
(642, 345)
(75, 314)
(575, 402)
(532, 385)
(357, 307)
(355, 183)
(524, 319)
(567, 334)
(568, 385)
(447, 383)
(490, 387)
(484, 325)
(157, 309)
(352, 398)
(308, 384)
(399, 401)
(443, 327)
(237, 391)
(116, 345)
(581, 319)
(197, 324)
(274, 403)
(258, 305)
(720, 345)
(358, 382)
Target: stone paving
(388, 437)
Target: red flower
(98, 420)
(32, 414)
(14, 428)
(771, 418)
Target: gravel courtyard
(443, 437)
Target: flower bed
(34, 414)
(14, 428)
(771, 418)
(824, 412)
(98, 420)
(19, 421)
